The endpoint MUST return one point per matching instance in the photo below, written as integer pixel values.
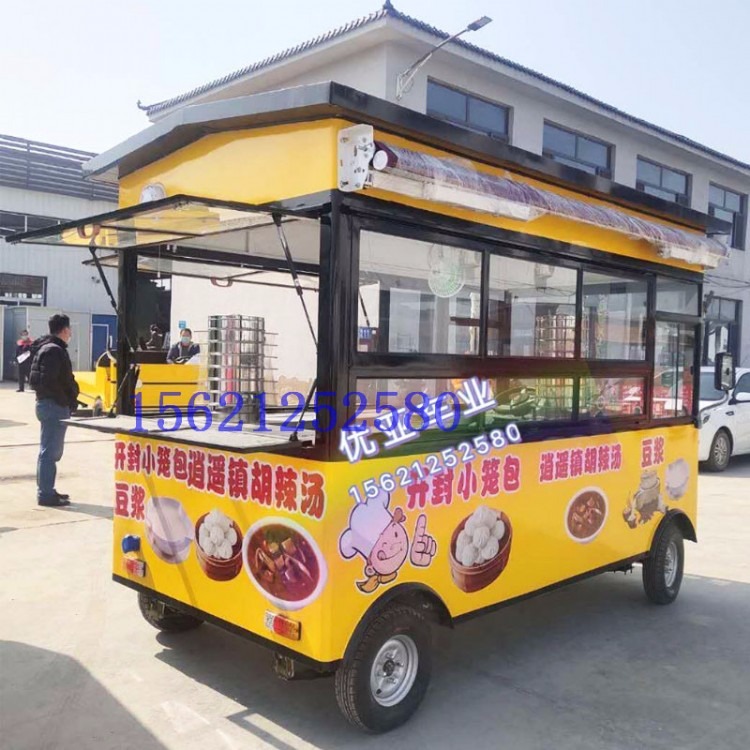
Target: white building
(479, 89)
(42, 184)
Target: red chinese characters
(122, 498)
(237, 478)
(442, 488)
(286, 488)
(261, 485)
(119, 455)
(313, 494)
(196, 469)
(283, 487)
(652, 451)
(576, 462)
(417, 491)
(216, 476)
(137, 502)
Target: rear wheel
(720, 453)
(383, 681)
(663, 568)
(163, 617)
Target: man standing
(23, 358)
(56, 396)
(184, 350)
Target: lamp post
(406, 79)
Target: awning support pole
(298, 287)
(295, 277)
(118, 315)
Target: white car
(725, 422)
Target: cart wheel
(164, 618)
(662, 569)
(383, 681)
(720, 452)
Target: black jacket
(178, 351)
(52, 372)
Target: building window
(19, 289)
(579, 151)
(465, 109)
(663, 182)
(11, 222)
(732, 207)
(721, 328)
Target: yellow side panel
(248, 166)
(366, 548)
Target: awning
(451, 182)
(219, 274)
(169, 220)
(364, 162)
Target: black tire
(720, 453)
(165, 618)
(410, 632)
(664, 566)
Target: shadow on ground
(51, 701)
(589, 666)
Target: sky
(71, 72)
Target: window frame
(408, 222)
(564, 159)
(680, 198)
(466, 122)
(739, 228)
(734, 329)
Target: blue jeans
(51, 445)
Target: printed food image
(283, 561)
(168, 529)
(219, 548)
(678, 475)
(646, 501)
(586, 514)
(480, 548)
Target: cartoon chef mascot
(380, 537)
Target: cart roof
(333, 100)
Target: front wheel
(383, 681)
(663, 568)
(163, 617)
(721, 451)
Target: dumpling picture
(219, 546)
(480, 548)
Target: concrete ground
(589, 666)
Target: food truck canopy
(278, 149)
(169, 220)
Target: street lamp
(406, 79)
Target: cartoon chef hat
(367, 522)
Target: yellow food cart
(482, 425)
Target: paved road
(590, 666)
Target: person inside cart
(23, 358)
(184, 349)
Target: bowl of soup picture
(284, 563)
(586, 514)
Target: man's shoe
(19, 390)
(55, 502)
(61, 496)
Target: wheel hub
(394, 670)
(670, 565)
